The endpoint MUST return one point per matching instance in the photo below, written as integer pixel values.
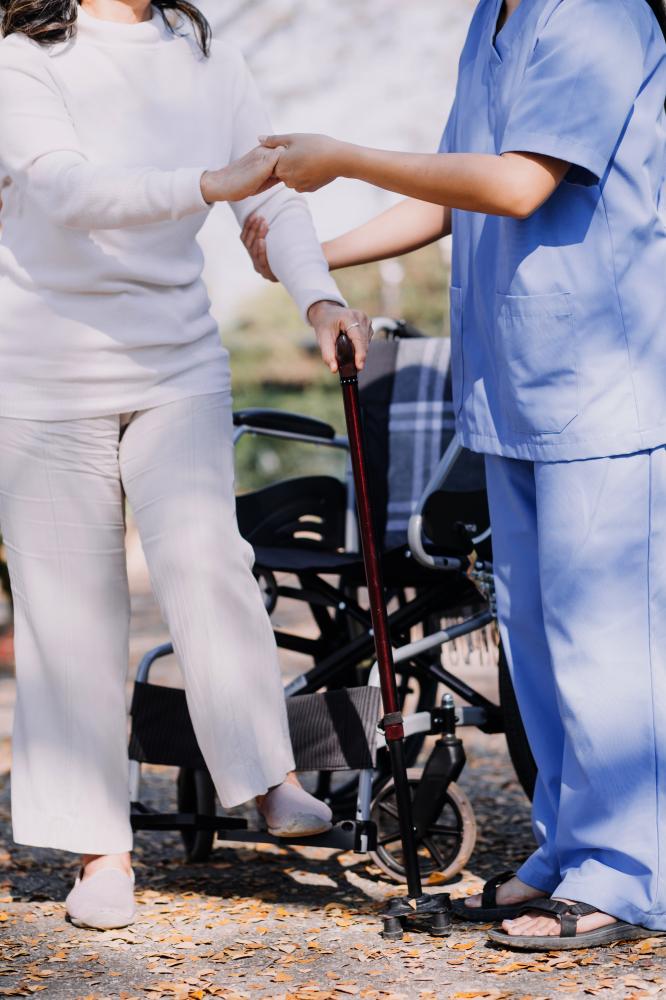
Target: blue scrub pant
(580, 567)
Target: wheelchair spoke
(389, 838)
(390, 809)
(444, 831)
(434, 852)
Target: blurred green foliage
(275, 363)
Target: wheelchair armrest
(399, 329)
(415, 537)
(284, 422)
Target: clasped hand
(302, 162)
(305, 162)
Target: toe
(530, 926)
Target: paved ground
(285, 923)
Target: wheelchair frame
(481, 711)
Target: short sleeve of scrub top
(579, 86)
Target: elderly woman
(121, 123)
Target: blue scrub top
(558, 321)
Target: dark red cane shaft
(392, 721)
(349, 382)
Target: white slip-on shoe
(102, 901)
(290, 811)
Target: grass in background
(275, 362)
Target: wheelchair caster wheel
(446, 848)
(196, 794)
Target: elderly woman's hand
(329, 320)
(251, 174)
(306, 162)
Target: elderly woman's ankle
(92, 863)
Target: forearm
(75, 193)
(510, 184)
(404, 227)
(295, 254)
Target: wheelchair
(437, 569)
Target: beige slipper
(102, 901)
(290, 811)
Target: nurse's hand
(306, 162)
(253, 236)
(329, 320)
(251, 174)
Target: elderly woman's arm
(41, 150)
(292, 246)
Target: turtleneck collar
(118, 32)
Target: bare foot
(91, 863)
(541, 925)
(511, 893)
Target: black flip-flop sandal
(568, 915)
(489, 912)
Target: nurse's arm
(404, 227)
(407, 226)
(511, 184)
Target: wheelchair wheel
(196, 794)
(444, 851)
(516, 738)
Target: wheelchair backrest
(409, 422)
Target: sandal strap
(489, 896)
(568, 914)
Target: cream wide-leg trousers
(62, 520)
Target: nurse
(550, 175)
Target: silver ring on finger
(351, 327)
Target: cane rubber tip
(392, 930)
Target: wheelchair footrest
(348, 835)
(145, 819)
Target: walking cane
(417, 904)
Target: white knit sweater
(105, 137)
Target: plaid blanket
(421, 425)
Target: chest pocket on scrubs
(537, 362)
(457, 373)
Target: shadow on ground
(289, 923)
(299, 924)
